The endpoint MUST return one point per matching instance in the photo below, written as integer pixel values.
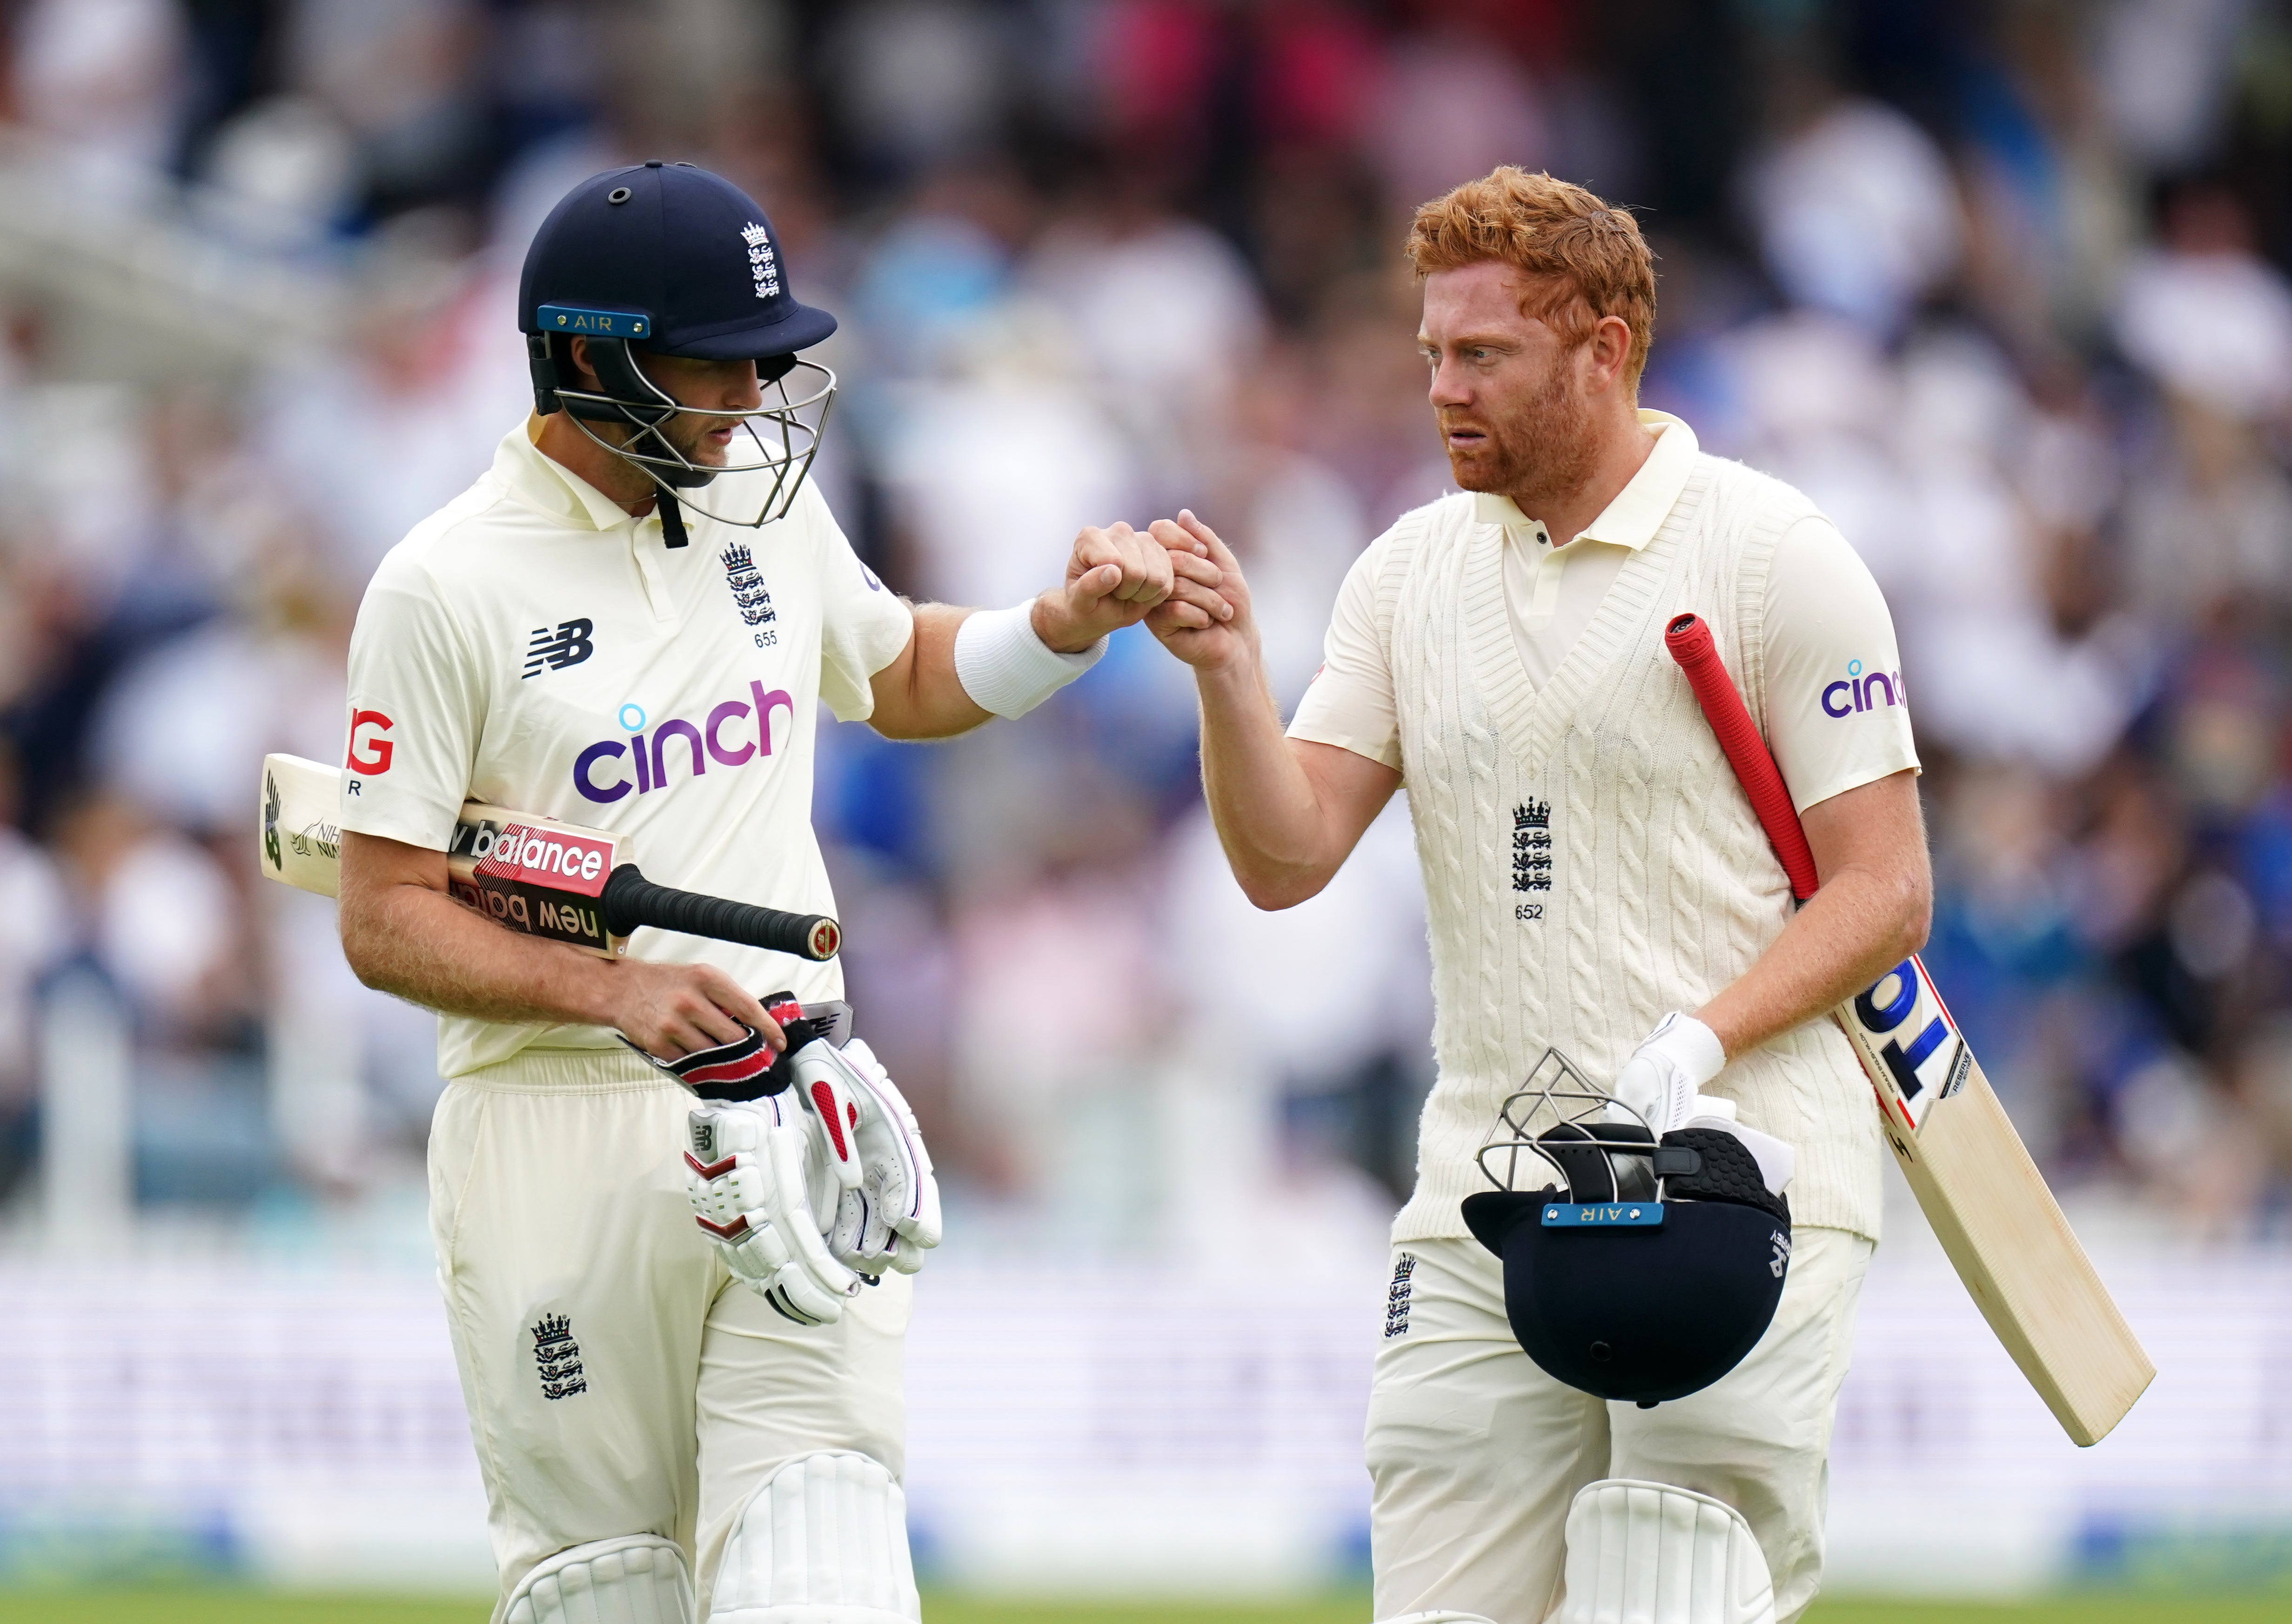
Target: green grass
(219, 1605)
(233, 1606)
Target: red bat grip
(1690, 642)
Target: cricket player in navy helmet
(629, 622)
(1628, 1004)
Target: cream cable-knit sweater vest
(1589, 860)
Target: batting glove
(1659, 1084)
(750, 1170)
(887, 1213)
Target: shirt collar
(542, 482)
(1639, 510)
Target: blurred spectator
(920, 83)
(2204, 315)
(407, 80)
(105, 77)
(1454, 104)
(1856, 214)
(41, 934)
(1164, 309)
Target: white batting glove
(750, 1170)
(887, 1214)
(1660, 1081)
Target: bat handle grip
(631, 900)
(1690, 643)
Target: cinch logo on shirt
(712, 739)
(1860, 692)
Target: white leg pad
(1647, 1553)
(1437, 1618)
(637, 1578)
(824, 1542)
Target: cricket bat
(1998, 1223)
(533, 874)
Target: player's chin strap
(623, 379)
(1650, 1553)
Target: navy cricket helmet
(667, 259)
(1648, 1268)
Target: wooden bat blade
(298, 841)
(532, 875)
(1988, 1205)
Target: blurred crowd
(1998, 282)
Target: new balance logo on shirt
(568, 645)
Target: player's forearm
(1268, 816)
(920, 696)
(1862, 922)
(421, 946)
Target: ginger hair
(1584, 258)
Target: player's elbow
(368, 939)
(1285, 888)
(1914, 913)
(363, 947)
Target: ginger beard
(1533, 452)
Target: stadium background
(1999, 282)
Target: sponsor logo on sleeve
(732, 735)
(1860, 690)
(369, 752)
(569, 643)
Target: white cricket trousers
(620, 1380)
(1474, 1453)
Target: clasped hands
(1176, 575)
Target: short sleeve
(415, 712)
(1837, 713)
(1350, 702)
(863, 624)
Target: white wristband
(1006, 669)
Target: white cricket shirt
(1837, 713)
(531, 645)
